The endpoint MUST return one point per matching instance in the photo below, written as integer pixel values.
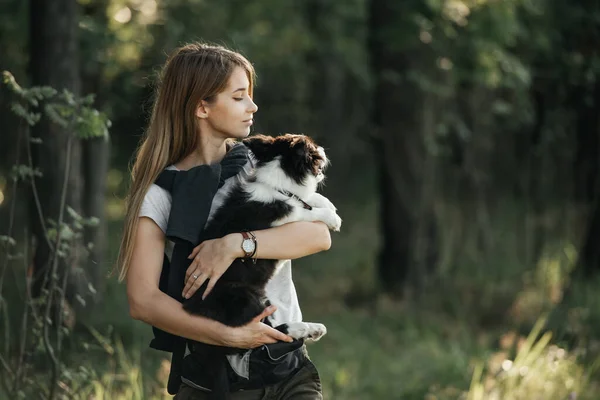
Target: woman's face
(230, 114)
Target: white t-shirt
(280, 289)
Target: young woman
(204, 101)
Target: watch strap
(253, 255)
(249, 235)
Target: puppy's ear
(258, 144)
(302, 160)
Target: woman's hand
(211, 260)
(255, 333)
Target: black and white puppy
(281, 188)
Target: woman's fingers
(193, 285)
(195, 252)
(266, 312)
(207, 259)
(276, 335)
(270, 335)
(256, 333)
(190, 271)
(189, 279)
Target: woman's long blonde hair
(192, 73)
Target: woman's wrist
(220, 334)
(233, 245)
(230, 337)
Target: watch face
(248, 245)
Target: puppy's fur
(284, 164)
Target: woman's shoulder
(157, 205)
(158, 193)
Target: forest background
(465, 145)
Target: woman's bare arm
(285, 242)
(288, 241)
(149, 304)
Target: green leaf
(7, 241)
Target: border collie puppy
(281, 188)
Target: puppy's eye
(318, 169)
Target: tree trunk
(588, 180)
(53, 62)
(96, 162)
(589, 257)
(95, 169)
(407, 226)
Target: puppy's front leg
(303, 330)
(326, 215)
(320, 201)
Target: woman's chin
(242, 135)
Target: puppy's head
(300, 158)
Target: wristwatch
(248, 244)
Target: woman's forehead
(238, 80)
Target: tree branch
(47, 320)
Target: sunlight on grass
(124, 379)
(539, 370)
(545, 286)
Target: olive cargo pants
(303, 385)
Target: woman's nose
(253, 107)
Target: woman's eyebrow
(237, 90)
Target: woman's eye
(238, 98)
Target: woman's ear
(202, 109)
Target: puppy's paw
(333, 221)
(320, 201)
(306, 330)
(316, 331)
(329, 217)
(337, 225)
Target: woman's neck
(209, 152)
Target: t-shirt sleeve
(157, 206)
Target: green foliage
(71, 231)
(46, 320)
(480, 66)
(75, 115)
(24, 172)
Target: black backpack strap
(166, 179)
(192, 192)
(174, 380)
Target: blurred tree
(13, 39)
(579, 35)
(95, 39)
(405, 167)
(589, 257)
(54, 62)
